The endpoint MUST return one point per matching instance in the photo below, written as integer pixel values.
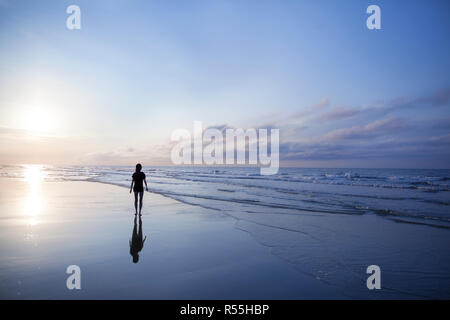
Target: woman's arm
(145, 181)
(131, 187)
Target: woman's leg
(141, 194)
(135, 200)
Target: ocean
(406, 195)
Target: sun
(38, 119)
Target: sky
(113, 91)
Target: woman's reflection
(136, 242)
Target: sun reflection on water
(34, 202)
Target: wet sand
(190, 252)
(193, 252)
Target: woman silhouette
(138, 178)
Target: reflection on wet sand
(33, 204)
(136, 242)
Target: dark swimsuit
(138, 178)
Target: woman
(138, 178)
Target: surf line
(192, 310)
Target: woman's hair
(138, 167)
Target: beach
(189, 253)
(192, 252)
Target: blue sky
(113, 92)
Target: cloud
(339, 113)
(22, 146)
(322, 104)
(444, 139)
(438, 98)
(368, 132)
(154, 155)
(413, 138)
(308, 117)
(221, 127)
(320, 134)
(408, 151)
(377, 127)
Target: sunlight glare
(33, 205)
